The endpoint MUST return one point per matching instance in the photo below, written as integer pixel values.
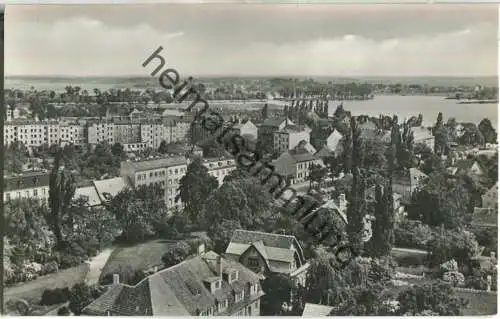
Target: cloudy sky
(333, 40)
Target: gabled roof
(89, 193)
(178, 290)
(109, 188)
(303, 157)
(271, 246)
(275, 122)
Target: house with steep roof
(295, 166)
(302, 147)
(490, 198)
(247, 128)
(266, 253)
(423, 135)
(205, 285)
(470, 167)
(406, 183)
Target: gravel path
(97, 264)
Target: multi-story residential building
(247, 128)
(71, 134)
(165, 172)
(152, 134)
(33, 185)
(101, 132)
(295, 166)
(266, 131)
(126, 132)
(219, 167)
(266, 253)
(289, 137)
(423, 135)
(205, 285)
(134, 147)
(36, 133)
(177, 131)
(11, 114)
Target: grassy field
(32, 291)
(139, 257)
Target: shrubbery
(412, 234)
(55, 296)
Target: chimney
(342, 202)
(219, 266)
(116, 279)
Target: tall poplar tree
(357, 208)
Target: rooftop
(26, 180)
(146, 165)
(178, 290)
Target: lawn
(32, 291)
(139, 257)
(480, 304)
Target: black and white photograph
(250, 159)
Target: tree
(195, 187)
(138, 211)
(176, 255)
(442, 200)
(15, 156)
(487, 131)
(117, 150)
(441, 137)
(357, 206)
(277, 288)
(61, 192)
(265, 112)
(81, 296)
(221, 233)
(316, 174)
(243, 200)
(405, 148)
(438, 298)
(163, 147)
(383, 232)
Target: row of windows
(27, 194)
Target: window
(7, 196)
(35, 193)
(233, 276)
(217, 284)
(222, 305)
(151, 174)
(239, 296)
(176, 171)
(254, 289)
(253, 262)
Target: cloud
(80, 45)
(86, 46)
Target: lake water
(402, 106)
(429, 106)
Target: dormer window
(217, 284)
(239, 296)
(233, 276)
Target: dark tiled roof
(303, 157)
(178, 290)
(271, 240)
(27, 180)
(273, 122)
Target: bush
(49, 268)
(67, 261)
(412, 234)
(457, 244)
(409, 260)
(55, 296)
(63, 311)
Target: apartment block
(36, 133)
(165, 172)
(102, 132)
